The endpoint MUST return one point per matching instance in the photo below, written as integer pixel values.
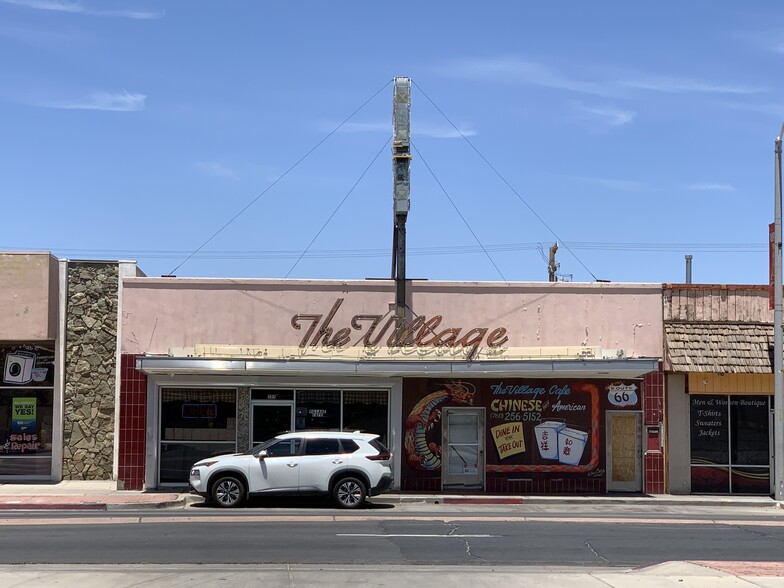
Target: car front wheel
(228, 492)
(349, 493)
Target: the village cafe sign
(371, 331)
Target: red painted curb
(66, 506)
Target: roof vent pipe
(688, 269)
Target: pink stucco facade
(160, 314)
(28, 296)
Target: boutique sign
(373, 331)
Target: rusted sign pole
(401, 162)
(778, 360)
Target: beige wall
(28, 296)
(678, 444)
(161, 313)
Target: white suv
(349, 466)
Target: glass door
(269, 419)
(463, 461)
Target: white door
(463, 447)
(278, 470)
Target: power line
(503, 179)
(452, 202)
(415, 251)
(334, 212)
(283, 175)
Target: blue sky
(636, 133)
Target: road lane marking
(411, 535)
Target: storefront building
(58, 352)
(719, 382)
(487, 387)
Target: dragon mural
(424, 453)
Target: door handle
(292, 465)
(337, 461)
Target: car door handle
(337, 461)
(292, 465)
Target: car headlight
(205, 464)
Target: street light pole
(778, 372)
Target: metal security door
(269, 419)
(624, 451)
(463, 447)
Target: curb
(56, 506)
(554, 501)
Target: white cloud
(626, 185)
(124, 102)
(671, 85)
(422, 130)
(513, 69)
(78, 8)
(765, 40)
(712, 187)
(615, 117)
(767, 108)
(217, 169)
(436, 132)
(516, 70)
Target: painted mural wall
(535, 429)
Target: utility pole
(401, 164)
(552, 266)
(778, 373)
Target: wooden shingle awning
(729, 348)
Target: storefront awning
(572, 368)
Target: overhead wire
(279, 178)
(503, 179)
(460, 214)
(334, 212)
(414, 251)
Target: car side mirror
(262, 454)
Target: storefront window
(330, 410)
(318, 410)
(367, 412)
(730, 444)
(26, 411)
(195, 423)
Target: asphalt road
(400, 535)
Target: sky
(250, 139)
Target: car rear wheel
(349, 493)
(228, 492)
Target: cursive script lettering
(420, 332)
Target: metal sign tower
(401, 164)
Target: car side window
(322, 447)
(285, 448)
(348, 446)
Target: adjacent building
(718, 356)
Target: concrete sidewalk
(683, 574)
(84, 495)
(103, 495)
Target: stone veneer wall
(243, 418)
(90, 366)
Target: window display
(730, 444)
(195, 423)
(26, 411)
